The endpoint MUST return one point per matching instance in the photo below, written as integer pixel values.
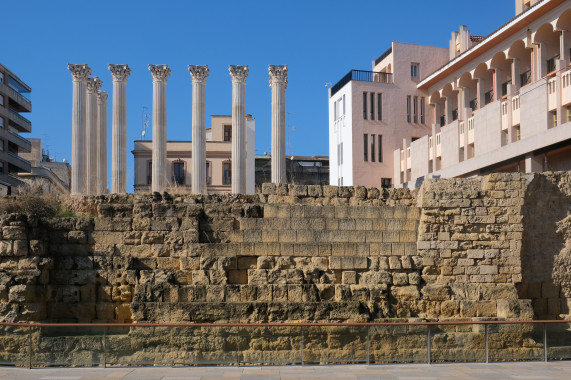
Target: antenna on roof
(145, 117)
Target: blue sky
(319, 40)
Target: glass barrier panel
(398, 344)
(558, 341)
(15, 345)
(334, 344)
(515, 342)
(139, 346)
(457, 343)
(68, 346)
(271, 345)
(206, 345)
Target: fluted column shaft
(119, 128)
(198, 73)
(159, 164)
(278, 84)
(238, 74)
(91, 137)
(102, 137)
(79, 75)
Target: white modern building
(503, 104)
(218, 159)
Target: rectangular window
(553, 119)
(416, 110)
(365, 105)
(386, 182)
(149, 172)
(422, 111)
(343, 105)
(178, 172)
(226, 173)
(372, 106)
(372, 148)
(379, 106)
(1, 78)
(1, 145)
(568, 114)
(338, 154)
(365, 147)
(1, 100)
(1, 167)
(341, 155)
(208, 173)
(380, 148)
(227, 133)
(414, 70)
(517, 133)
(408, 109)
(1, 122)
(335, 116)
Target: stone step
(325, 224)
(340, 211)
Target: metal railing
(364, 76)
(25, 142)
(474, 104)
(226, 180)
(15, 155)
(551, 63)
(505, 87)
(525, 78)
(489, 97)
(178, 180)
(20, 117)
(99, 344)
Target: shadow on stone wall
(543, 252)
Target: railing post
(302, 346)
(486, 338)
(30, 347)
(428, 344)
(368, 346)
(544, 342)
(105, 347)
(172, 349)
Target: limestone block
(274, 276)
(436, 292)
(375, 278)
(217, 277)
(141, 224)
(549, 290)
(400, 279)
(349, 277)
(200, 277)
(330, 191)
(515, 309)
(14, 233)
(395, 263)
(315, 191)
(298, 190)
(449, 309)
(165, 224)
(488, 269)
(237, 276)
(405, 293)
(257, 276)
(268, 188)
(265, 262)
(6, 248)
(113, 224)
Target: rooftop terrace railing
(97, 344)
(364, 76)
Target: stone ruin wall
(486, 247)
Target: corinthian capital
(119, 72)
(79, 72)
(238, 73)
(101, 96)
(93, 84)
(278, 74)
(198, 73)
(160, 73)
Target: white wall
(250, 156)
(340, 131)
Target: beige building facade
(502, 104)
(179, 159)
(372, 112)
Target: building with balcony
(502, 104)
(371, 112)
(14, 99)
(300, 170)
(218, 159)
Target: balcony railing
(489, 97)
(525, 78)
(20, 117)
(455, 114)
(474, 104)
(178, 180)
(149, 179)
(505, 87)
(364, 76)
(551, 63)
(442, 121)
(24, 142)
(226, 180)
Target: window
(1, 122)
(149, 172)
(517, 134)
(1, 78)
(227, 133)
(379, 106)
(343, 105)
(226, 173)
(372, 106)
(372, 148)
(408, 109)
(380, 147)
(335, 115)
(341, 153)
(553, 119)
(414, 72)
(1, 100)
(178, 172)
(415, 103)
(1, 145)
(365, 105)
(568, 109)
(1, 167)
(422, 111)
(505, 138)
(208, 173)
(386, 182)
(365, 147)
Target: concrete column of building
(198, 176)
(278, 84)
(447, 110)
(481, 92)
(160, 74)
(102, 137)
(239, 74)
(436, 113)
(564, 46)
(560, 65)
(79, 74)
(91, 137)
(533, 163)
(542, 60)
(497, 84)
(119, 74)
(516, 81)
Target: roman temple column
(160, 74)
(91, 139)
(238, 74)
(198, 176)
(278, 84)
(119, 128)
(102, 137)
(79, 74)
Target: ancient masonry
(486, 247)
